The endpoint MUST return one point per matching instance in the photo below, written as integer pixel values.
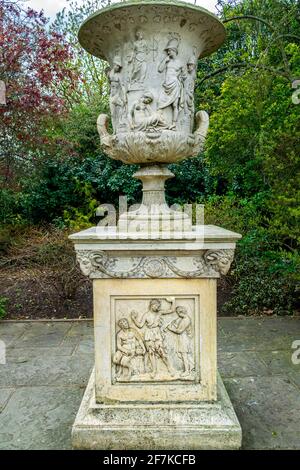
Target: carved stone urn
(155, 384)
(152, 48)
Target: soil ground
(40, 294)
(33, 294)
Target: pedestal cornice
(207, 252)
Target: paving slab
(257, 334)
(78, 332)
(263, 327)
(17, 355)
(254, 324)
(85, 346)
(43, 335)
(268, 409)
(40, 418)
(47, 370)
(295, 378)
(11, 332)
(13, 328)
(5, 394)
(241, 364)
(85, 329)
(220, 330)
(71, 341)
(279, 362)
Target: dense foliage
(32, 61)
(248, 178)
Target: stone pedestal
(155, 384)
(162, 426)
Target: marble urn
(155, 384)
(152, 49)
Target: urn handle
(105, 136)
(202, 125)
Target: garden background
(54, 175)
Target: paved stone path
(48, 365)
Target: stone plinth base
(185, 426)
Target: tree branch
(249, 17)
(243, 65)
(281, 45)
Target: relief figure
(138, 59)
(143, 117)
(182, 327)
(190, 88)
(153, 339)
(173, 90)
(118, 96)
(129, 345)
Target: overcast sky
(51, 7)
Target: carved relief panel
(152, 79)
(152, 56)
(152, 50)
(155, 339)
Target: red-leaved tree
(33, 62)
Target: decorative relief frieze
(152, 54)
(208, 263)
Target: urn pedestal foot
(154, 215)
(169, 426)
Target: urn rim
(101, 18)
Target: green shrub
(9, 207)
(266, 284)
(3, 305)
(233, 213)
(265, 274)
